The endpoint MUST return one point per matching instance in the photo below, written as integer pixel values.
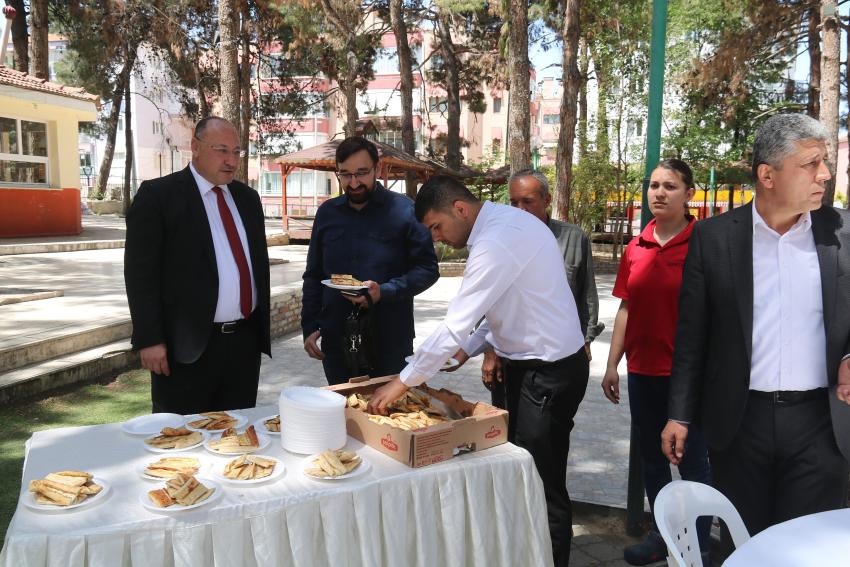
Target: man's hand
(385, 395)
(587, 352)
(611, 385)
(155, 359)
(311, 345)
(461, 357)
(374, 291)
(843, 389)
(491, 369)
(673, 441)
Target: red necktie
(238, 253)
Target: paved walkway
(93, 286)
(598, 466)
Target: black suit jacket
(169, 265)
(713, 348)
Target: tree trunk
(847, 123)
(128, 152)
(40, 49)
(203, 104)
(582, 98)
(245, 89)
(519, 112)
(603, 85)
(569, 100)
(112, 122)
(20, 36)
(450, 60)
(228, 51)
(348, 90)
(813, 107)
(830, 93)
(405, 69)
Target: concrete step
(50, 247)
(32, 352)
(67, 369)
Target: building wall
(54, 208)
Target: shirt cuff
(388, 291)
(410, 378)
(475, 344)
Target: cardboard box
(483, 426)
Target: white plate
(344, 287)
(260, 427)
(29, 499)
(241, 420)
(146, 501)
(174, 451)
(152, 424)
(263, 439)
(308, 464)
(202, 467)
(278, 471)
(451, 362)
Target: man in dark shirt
(372, 234)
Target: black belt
(229, 327)
(789, 396)
(537, 363)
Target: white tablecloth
(482, 509)
(817, 540)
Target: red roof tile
(22, 80)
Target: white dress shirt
(789, 341)
(227, 307)
(515, 277)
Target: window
(438, 104)
(497, 105)
(120, 124)
(551, 119)
(23, 152)
(157, 127)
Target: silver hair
(544, 183)
(776, 139)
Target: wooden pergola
(394, 164)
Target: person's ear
(764, 174)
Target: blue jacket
(382, 242)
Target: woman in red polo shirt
(648, 286)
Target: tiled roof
(22, 80)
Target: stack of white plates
(312, 420)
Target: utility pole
(634, 503)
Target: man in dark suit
(196, 269)
(763, 332)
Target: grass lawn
(125, 397)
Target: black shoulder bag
(358, 339)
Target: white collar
(480, 220)
(204, 186)
(803, 224)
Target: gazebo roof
(474, 176)
(322, 158)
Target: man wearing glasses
(196, 269)
(372, 234)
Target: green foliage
(594, 179)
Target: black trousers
(542, 401)
(783, 463)
(225, 377)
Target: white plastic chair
(677, 508)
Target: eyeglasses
(345, 177)
(224, 151)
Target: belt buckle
(228, 328)
(778, 397)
